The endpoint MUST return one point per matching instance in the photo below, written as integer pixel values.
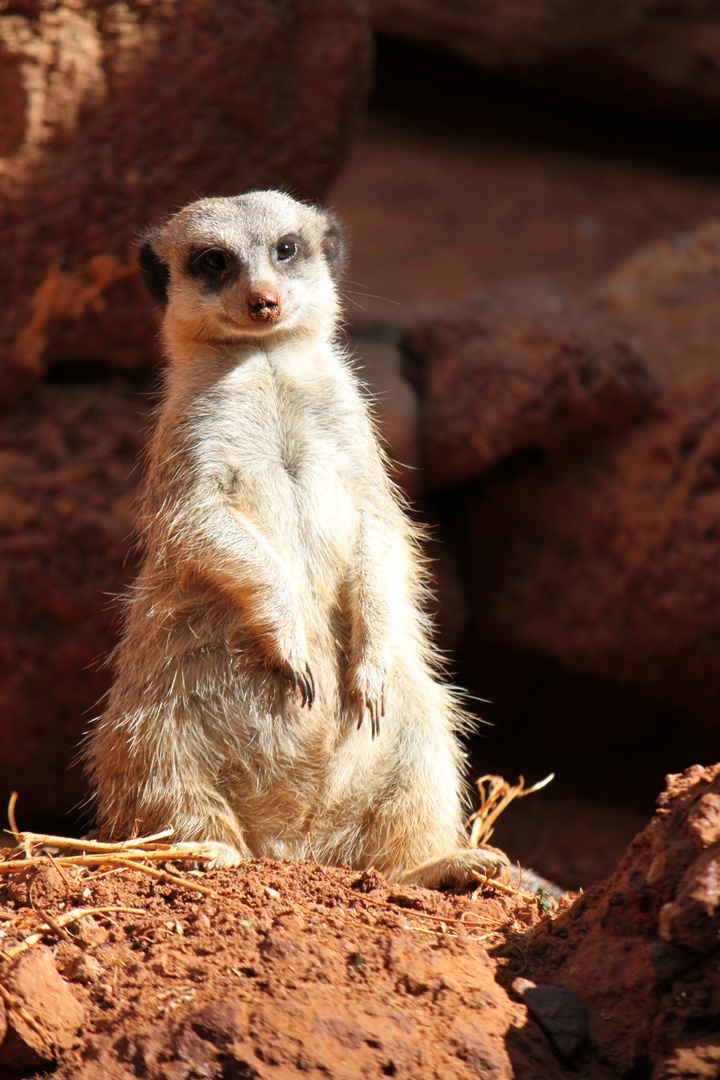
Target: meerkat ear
(154, 272)
(334, 246)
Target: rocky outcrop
(45, 1017)
(590, 519)
(641, 949)
(113, 114)
(66, 489)
(510, 381)
(664, 56)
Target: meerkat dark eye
(213, 262)
(210, 265)
(286, 249)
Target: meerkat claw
(304, 683)
(375, 718)
(376, 707)
(311, 686)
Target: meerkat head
(252, 266)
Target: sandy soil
(284, 970)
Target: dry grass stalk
(132, 854)
(496, 794)
(164, 875)
(59, 922)
(500, 886)
(14, 1003)
(135, 843)
(19, 866)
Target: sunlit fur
(273, 541)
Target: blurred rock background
(532, 193)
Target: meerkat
(281, 599)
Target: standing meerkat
(281, 596)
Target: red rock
(634, 53)
(592, 543)
(66, 487)
(115, 114)
(642, 948)
(560, 1013)
(494, 385)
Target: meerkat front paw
(370, 689)
(302, 681)
(292, 664)
(459, 868)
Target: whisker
(362, 286)
(374, 296)
(351, 301)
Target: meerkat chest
(284, 456)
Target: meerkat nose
(263, 306)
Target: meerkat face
(253, 266)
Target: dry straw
(141, 853)
(496, 794)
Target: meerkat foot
(215, 855)
(458, 868)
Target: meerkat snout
(263, 307)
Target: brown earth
(286, 970)
(289, 969)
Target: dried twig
(509, 890)
(15, 865)
(132, 854)
(14, 1003)
(164, 875)
(60, 871)
(61, 921)
(11, 817)
(139, 843)
(54, 925)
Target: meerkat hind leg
(457, 868)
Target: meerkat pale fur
(282, 590)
